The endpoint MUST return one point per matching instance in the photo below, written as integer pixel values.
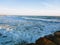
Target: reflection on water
(26, 29)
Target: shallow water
(26, 28)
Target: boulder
(44, 41)
(48, 39)
(57, 34)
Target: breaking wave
(26, 29)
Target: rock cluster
(48, 39)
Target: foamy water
(26, 29)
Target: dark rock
(57, 34)
(49, 39)
(57, 37)
(44, 41)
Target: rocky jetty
(52, 39)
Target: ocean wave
(53, 20)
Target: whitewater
(16, 29)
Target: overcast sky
(30, 7)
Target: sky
(29, 7)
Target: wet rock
(57, 34)
(48, 39)
(44, 41)
(57, 37)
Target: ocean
(26, 29)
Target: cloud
(48, 10)
(28, 12)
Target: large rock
(49, 39)
(57, 34)
(44, 41)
